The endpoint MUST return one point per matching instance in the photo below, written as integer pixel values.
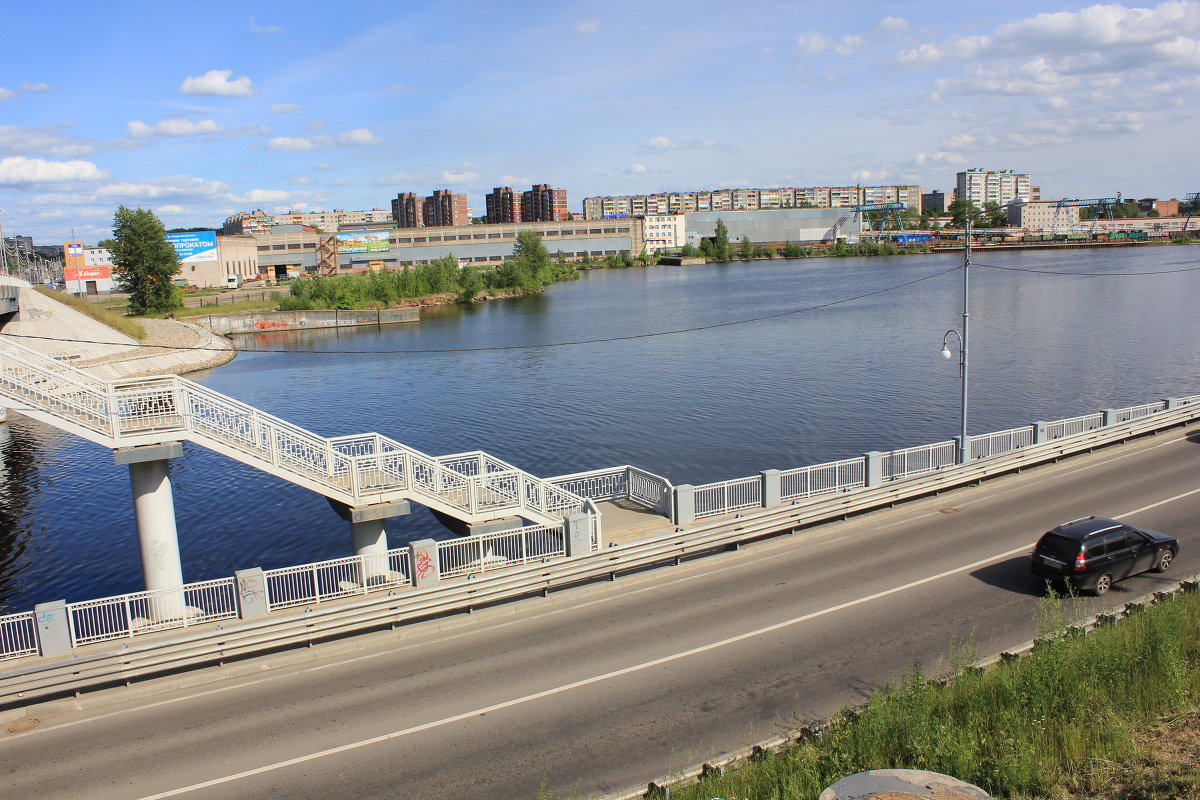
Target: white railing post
(772, 487)
(872, 468)
(685, 504)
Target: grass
(271, 304)
(124, 324)
(1081, 716)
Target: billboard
(192, 247)
(363, 243)
(101, 273)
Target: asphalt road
(609, 685)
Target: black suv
(1093, 553)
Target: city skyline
(258, 106)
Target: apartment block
(445, 208)
(407, 210)
(663, 231)
(1043, 216)
(259, 221)
(749, 199)
(503, 205)
(982, 186)
(543, 204)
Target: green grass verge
(125, 325)
(1051, 724)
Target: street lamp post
(964, 444)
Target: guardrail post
(1039, 432)
(253, 602)
(772, 487)
(424, 569)
(962, 449)
(1110, 417)
(872, 468)
(577, 534)
(685, 504)
(53, 627)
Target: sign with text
(194, 246)
(362, 243)
(87, 273)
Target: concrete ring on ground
(902, 784)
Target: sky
(197, 111)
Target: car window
(1134, 538)
(1060, 547)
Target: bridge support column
(368, 534)
(154, 511)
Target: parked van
(232, 282)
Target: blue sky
(200, 111)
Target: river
(842, 358)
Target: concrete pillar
(577, 531)
(772, 488)
(252, 593)
(154, 511)
(368, 534)
(53, 627)
(425, 569)
(685, 504)
(873, 468)
(1110, 416)
(1170, 403)
(1039, 432)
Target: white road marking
(581, 683)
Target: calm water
(723, 402)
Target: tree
(960, 210)
(745, 250)
(720, 245)
(145, 262)
(997, 217)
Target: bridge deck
(625, 521)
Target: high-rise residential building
(503, 206)
(445, 208)
(543, 204)
(406, 210)
(982, 186)
(256, 222)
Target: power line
(1088, 274)
(544, 345)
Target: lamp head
(946, 354)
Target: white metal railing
(144, 612)
(1074, 426)
(834, 476)
(18, 636)
(724, 497)
(489, 551)
(916, 460)
(650, 490)
(1001, 442)
(349, 466)
(1137, 412)
(600, 484)
(339, 577)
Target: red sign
(87, 273)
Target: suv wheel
(1103, 584)
(1164, 561)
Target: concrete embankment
(265, 321)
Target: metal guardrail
(1074, 426)
(18, 637)
(833, 476)
(917, 460)
(241, 638)
(1001, 442)
(356, 469)
(724, 497)
(336, 578)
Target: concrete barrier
(267, 321)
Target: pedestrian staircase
(356, 470)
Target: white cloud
(590, 26)
(19, 170)
(941, 158)
(217, 82)
(284, 108)
(354, 138)
(6, 95)
(266, 196)
(49, 140)
(256, 28)
(172, 126)
(293, 143)
(812, 43)
(458, 176)
(667, 143)
(35, 88)
(169, 208)
(298, 180)
(869, 176)
(766, 50)
(895, 24)
(637, 168)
